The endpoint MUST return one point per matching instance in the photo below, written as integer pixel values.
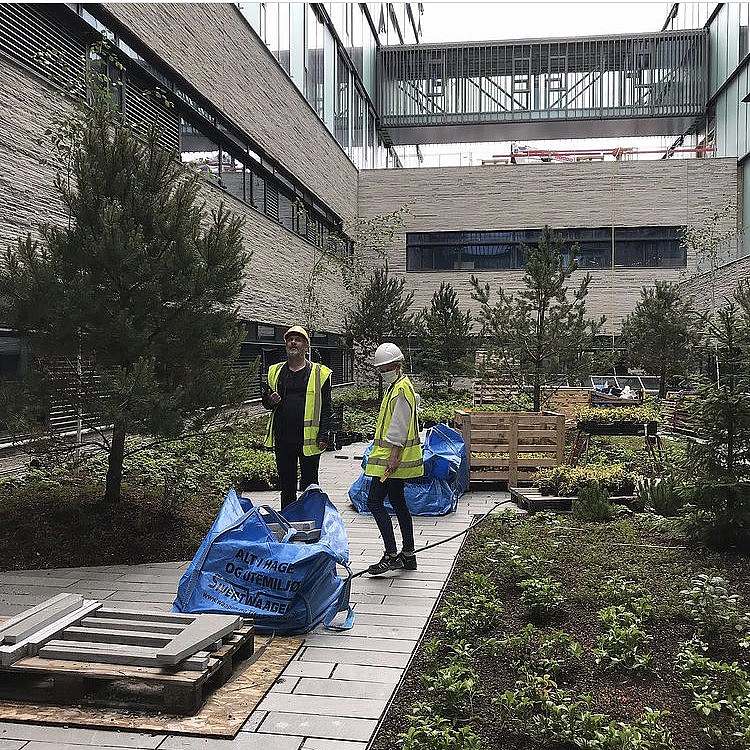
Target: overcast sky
(458, 22)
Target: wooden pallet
(169, 689)
(532, 500)
(516, 444)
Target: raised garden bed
(532, 500)
(495, 670)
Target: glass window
(272, 28)
(283, 54)
(649, 247)
(343, 96)
(358, 125)
(315, 63)
(286, 218)
(198, 150)
(258, 191)
(233, 176)
(594, 246)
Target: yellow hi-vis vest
(411, 457)
(313, 402)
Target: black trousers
(393, 489)
(288, 457)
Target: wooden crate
(566, 400)
(511, 439)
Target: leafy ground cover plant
(171, 493)
(567, 481)
(624, 641)
(450, 689)
(639, 564)
(592, 503)
(430, 731)
(709, 603)
(720, 695)
(474, 610)
(542, 596)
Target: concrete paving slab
(73, 736)
(12, 744)
(309, 669)
(344, 688)
(325, 727)
(345, 640)
(323, 705)
(243, 741)
(362, 673)
(312, 743)
(354, 656)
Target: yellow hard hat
(298, 330)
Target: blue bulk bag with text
(286, 587)
(446, 476)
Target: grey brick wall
(593, 194)
(281, 261)
(213, 48)
(707, 288)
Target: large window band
(505, 250)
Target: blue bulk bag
(446, 476)
(241, 568)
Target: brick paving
(334, 692)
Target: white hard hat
(387, 354)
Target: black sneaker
(387, 562)
(408, 560)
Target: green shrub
(592, 503)
(450, 690)
(430, 731)
(660, 494)
(541, 595)
(709, 603)
(721, 517)
(721, 695)
(567, 481)
(551, 652)
(624, 640)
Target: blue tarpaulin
(286, 587)
(446, 476)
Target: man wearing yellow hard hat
(299, 397)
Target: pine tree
(662, 333)
(719, 463)
(445, 342)
(538, 333)
(142, 285)
(380, 313)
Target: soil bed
(648, 550)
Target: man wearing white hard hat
(299, 396)
(396, 455)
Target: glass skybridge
(634, 84)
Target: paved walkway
(332, 695)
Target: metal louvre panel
(43, 45)
(272, 201)
(142, 112)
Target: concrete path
(332, 695)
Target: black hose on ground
(472, 525)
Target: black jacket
(325, 406)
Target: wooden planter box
(566, 400)
(518, 444)
(532, 500)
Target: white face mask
(390, 377)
